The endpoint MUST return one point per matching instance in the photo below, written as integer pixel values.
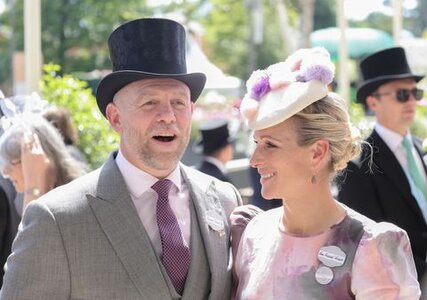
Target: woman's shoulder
(245, 214)
(375, 230)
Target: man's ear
(372, 102)
(113, 116)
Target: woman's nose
(255, 159)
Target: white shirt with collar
(145, 199)
(394, 142)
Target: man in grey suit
(113, 233)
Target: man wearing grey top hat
(143, 226)
(390, 184)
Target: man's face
(392, 114)
(153, 118)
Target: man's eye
(179, 103)
(270, 145)
(148, 103)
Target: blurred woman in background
(34, 157)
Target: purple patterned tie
(176, 255)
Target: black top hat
(382, 67)
(143, 49)
(215, 135)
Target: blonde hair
(328, 119)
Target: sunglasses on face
(402, 95)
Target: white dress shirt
(145, 199)
(394, 142)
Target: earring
(314, 179)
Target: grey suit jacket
(85, 240)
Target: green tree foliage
(324, 14)
(97, 139)
(74, 32)
(228, 31)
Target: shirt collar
(138, 181)
(391, 138)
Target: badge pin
(332, 256)
(324, 275)
(215, 223)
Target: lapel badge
(324, 275)
(332, 256)
(215, 223)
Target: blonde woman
(313, 247)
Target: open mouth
(164, 138)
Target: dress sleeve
(239, 219)
(383, 266)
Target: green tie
(414, 171)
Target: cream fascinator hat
(283, 89)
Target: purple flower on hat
(319, 72)
(258, 84)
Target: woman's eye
(270, 145)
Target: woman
(313, 247)
(34, 157)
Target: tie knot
(162, 187)
(407, 144)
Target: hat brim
(113, 82)
(366, 88)
(279, 105)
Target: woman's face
(285, 167)
(13, 171)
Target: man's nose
(166, 113)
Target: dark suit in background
(9, 217)
(385, 195)
(211, 169)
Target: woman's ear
(320, 153)
(113, 116)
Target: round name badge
(332, 256)
(324, 275)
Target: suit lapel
(212, 224)
(120, 222)
(387, 164)
(419, 147)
